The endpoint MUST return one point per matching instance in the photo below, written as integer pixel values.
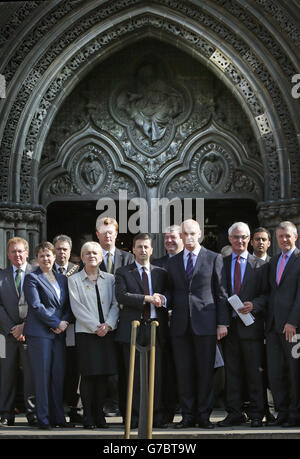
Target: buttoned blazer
(45, 310)
(254, 288)
(9, 300)
(202, 303)
(130, 295)
(122, 258)
(284, 299)
(85, 311)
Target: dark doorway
(77, 220)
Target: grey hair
(287, 224)
(172, 228)
(239, 225)
(64, 238)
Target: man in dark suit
(282, 324)
(244, 345)
(113, 258)
(261, 241)
(173, 245)
(13, 311)
(197, 294)
(144, 303)
(63, 246)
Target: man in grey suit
(282, 324)
(113, 258)
(197, 294)
(13, 311)
(244, 345)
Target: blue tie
(189, 268)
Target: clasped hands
(61, 327)
(103, 329)
(156, 299)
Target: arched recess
(203, 43)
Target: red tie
(146, 313)
(237, 277)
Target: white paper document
(236, 303)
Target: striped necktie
(109, 266)
(189, 268)
(18, 280)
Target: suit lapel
(136, 275)
(227, 265)
(48, 285)
(289, 265)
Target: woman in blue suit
(48, 316)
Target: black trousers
(16, 353)
(194, 360)
(93, 391)
(244, 363)
(284, 375)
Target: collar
(243, 255)
(260, 258)
(59, 266)
(195, 252)
(112, 251)
(23, 267)
(147, 266)
(289, 253)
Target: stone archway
(57, 45)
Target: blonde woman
(96, 311)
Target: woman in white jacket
(93, 303)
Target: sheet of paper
(236, 303)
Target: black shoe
(185, 424)
(256, 423)
(231, 421)
(32, 421)
(44, 426)
(102, 425)
(75, 417)
(206, 424)
(291, 423)
(277, 422)
(63, 425)
(6, 422)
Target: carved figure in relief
(152, 104)
(91, 170)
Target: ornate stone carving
(150, 106)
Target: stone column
(22, 221)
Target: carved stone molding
(214, 170)
(11, 212)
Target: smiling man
(283, 320)
(13, 311)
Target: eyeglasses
(236, 238)
(19, 252)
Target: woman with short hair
(95, 308)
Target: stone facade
(160, 98)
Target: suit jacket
(284, 299)
(203, 301)
(85, 310)
(122, 258)
(254, 288)
(45, 310)
(130, 295)
(9, 300)
(162, 262)
(71, 269)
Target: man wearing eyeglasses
(13, 310)
(243, 345)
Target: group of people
(71, 325)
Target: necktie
(146, 313)
(281, 268)
(18, 280)
(189, 268)
(237, 277)
(61, 270)
(109, 266)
